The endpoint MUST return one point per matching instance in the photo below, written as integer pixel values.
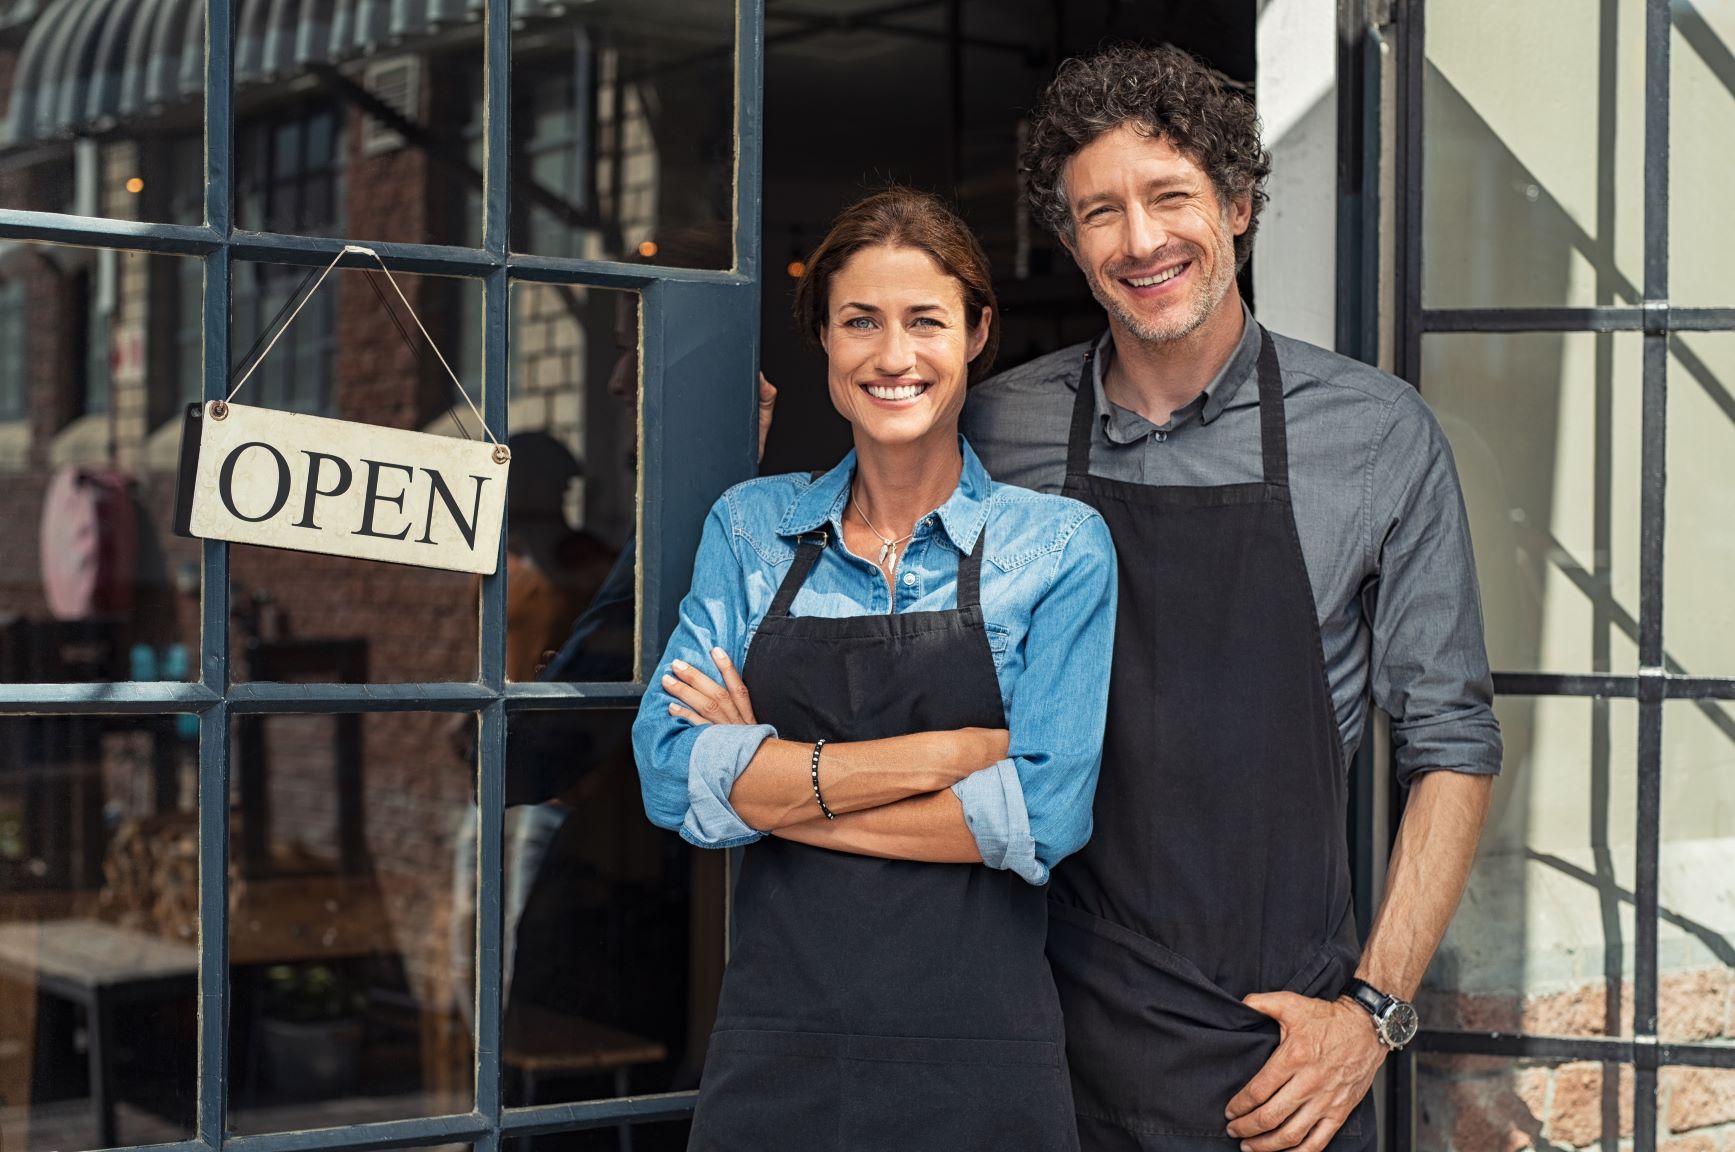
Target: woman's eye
(858, 322)
(928, 322)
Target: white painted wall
(1295, 256)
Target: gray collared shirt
(1377, 504)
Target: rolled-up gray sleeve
(1430, 662)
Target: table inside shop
(100, 966)
(539, 1043)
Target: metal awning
(89, 64)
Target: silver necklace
(888, 546)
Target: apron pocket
(766, 1091)
(1155, 1048)
(919, 1094)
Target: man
(1291, 538)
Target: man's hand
(1325, 1062)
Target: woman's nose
(895, 353)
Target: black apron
(881, 1004)
(1218, 865)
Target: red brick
(1497, 1113)
(1575, 1114)
(1699, 1097)
(1582, 1011)
(1694, 1005)
(1703, 1142)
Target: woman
(890, 680)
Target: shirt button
(909, 579)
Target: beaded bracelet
(815, 772)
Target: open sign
(285, 480)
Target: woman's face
(898, 346)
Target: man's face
(1153, 238)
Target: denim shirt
(1048, 598)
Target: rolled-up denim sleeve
(687, 771)
(1033, 809)
(1429, 659)
(718, 755)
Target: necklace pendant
(886, 549)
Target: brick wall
(1482, 1104)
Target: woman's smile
(896, 393)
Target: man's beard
(1203, 301)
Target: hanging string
(362, 250)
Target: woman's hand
(704, 701)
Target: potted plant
(310, 1030)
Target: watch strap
(1367, 996)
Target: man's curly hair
(1164, 92)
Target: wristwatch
(1395, 1021)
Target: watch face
(1400, 1024)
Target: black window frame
(699, 334)
(1657, 320)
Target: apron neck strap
(970, 575)
(1273, 435)
(806, 556)
(1083, 417)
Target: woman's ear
(979, 337)
(825, 334)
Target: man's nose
(1145, 234)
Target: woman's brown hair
(903, 218)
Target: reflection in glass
(1479, 1103)
(571, 548)
(1696, 874)
(299, 616)
(1699, 520)
(613, 928)
(99, 932)
(1533, 161)
(344, 951)
(1545, 430)
(356, 123)
(100, 109)
(99, 352)
(1543, 942)
(623, 118)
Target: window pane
(1545, 429)
(97, 105)
(377, 150)
(1481, 1103)
(1696, 935)
(99, 930)
(351, 934)
(623, 127)
(1533, 154)
(1699, 525)
(571, 511)
(99, 351)
(300, 616)
(1701, 120)
(613, 928)
(1544, 939)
